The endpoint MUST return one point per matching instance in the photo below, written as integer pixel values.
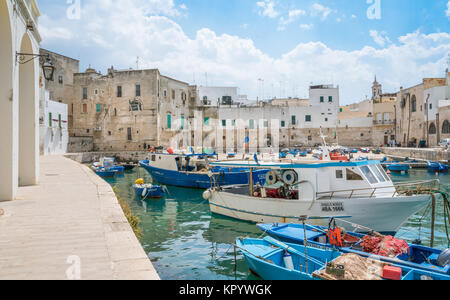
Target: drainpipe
(428, 124)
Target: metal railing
(408, 188)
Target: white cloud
(292, 16)
(380, 38)
(114, 38)
(320, 10)
(267, 9)
(306, 26)
(447, 13)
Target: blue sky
(289, 44)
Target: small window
(153, 157)
(308, 118)
(129, 135)
(322, 99)
(50, 120)
(173, 94)
(60, 79)
(252, 124)
(59, 121)
(339, 174)
(266, 124)
(330, 99)
(353, 176)
(85, 110)
(369, 175)
(283, 124)
(224, 123)
(206, 121)
(446, 127)
(169, 121)
(294, 120)
(119, 91)
(138, 90)
(182, 123)
(98, 108)
(85, 93)
(383, 172)
(233, 123)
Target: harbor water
(185, 242)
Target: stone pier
(71, 226)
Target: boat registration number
(332, 206)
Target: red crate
(392, 273)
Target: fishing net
(356, 268)
(387, 246)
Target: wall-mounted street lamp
(46, 63)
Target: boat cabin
(181, 162)
(325, 180)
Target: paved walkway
(69, 225)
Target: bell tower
(376, 90)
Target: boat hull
(202, 180)
(149, 192)
(384, 215)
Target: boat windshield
(377, 173)
(383, 172)
(369, 175)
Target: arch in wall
(432, 129)
(28, 117)
(7, 175)
(446, 127)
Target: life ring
(271, 178)
(289, 177)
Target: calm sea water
(185, 242)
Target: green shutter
(182, 122)
(50, 119)
(169, 121)
(206, 121)
(330, 99)
(59, 120)
(99, 108)
(322, 99)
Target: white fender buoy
(207, 195)
(144, 192)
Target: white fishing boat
(360, 192)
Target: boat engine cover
(444, 259)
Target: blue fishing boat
(273, 260)
(354, 151)
(437, 167)
(193, 171)
(146, 191)
(103, 172)
(398, 167)
(418, 257)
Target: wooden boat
(194, 171)
(273, 260)
(360, 192)
(398, 167)
(148, 191)
(103, 172)
(437, 167)
(418, 257)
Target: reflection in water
(184, 241)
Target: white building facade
(19, 97)
(53, 126)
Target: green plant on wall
(132, 219)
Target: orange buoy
(170, 150)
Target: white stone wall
(19, 97)
(54, 136)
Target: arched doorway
(7, 171)
(28, 116)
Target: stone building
(61, 88)
(411, 104)
(19, 96)
(370, 122)
(128, 109)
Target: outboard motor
(444, 259)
